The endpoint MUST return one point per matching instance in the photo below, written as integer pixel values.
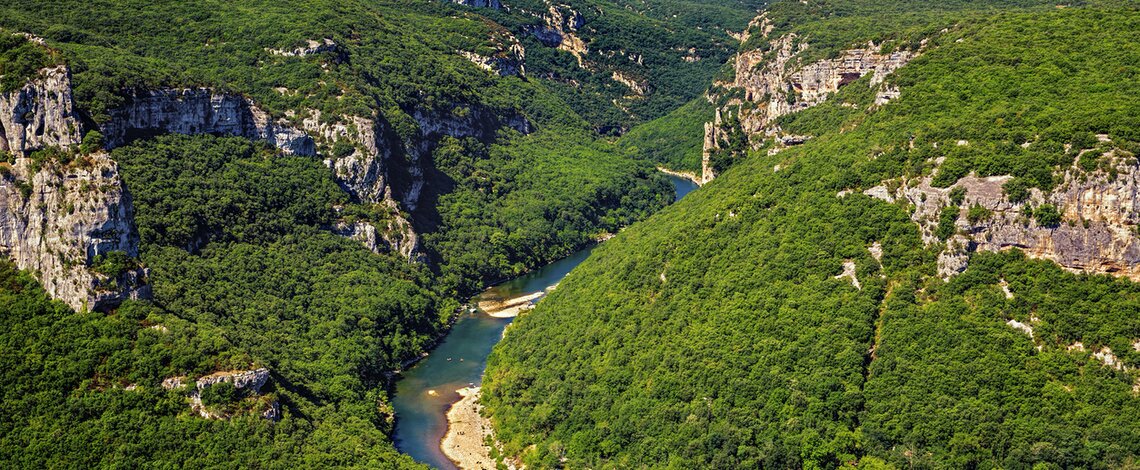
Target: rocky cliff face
(248, 382)
(559, 29)
(312, 47)
(507, 63)
(394, 235)
(638, 86)
(57, 219)
(201, 111)
(361, 172)
(39, 115)
(775, 82)
(508, 58)
(1098, 232)
(460, 122)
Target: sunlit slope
(727, 331)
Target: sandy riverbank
(509, 308)
(681, 174)
(466, 433)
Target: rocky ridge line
(774, 83)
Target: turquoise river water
(427, 390)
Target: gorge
(466, 234)
(427, 391)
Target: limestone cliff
(1098, 231)
(247, 382)
(312, 47)
(57, 219)
(200, 111)
(508, 56)
(559, 29)
(638, 86)
(361, 171)
(39, 115)
(774, 81)
(459, 122)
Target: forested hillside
(265, 288)
(391, 62)
(241, 239)
(785, 315)
(619, 63)
(920, 248)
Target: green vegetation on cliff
(244, 268)
(675, 141)
(264, 287)
(390, 61)
(672, 47)
(724, 333)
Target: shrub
(92, 142)
(112, 264)
(946, 222)
(221, 393)
(1047, 216)
(978, 214)
(1016, 190)
(957, 195)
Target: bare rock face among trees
(69, 222)
(496, 4)
(1095, 228)
(775, 82)
(243, 385)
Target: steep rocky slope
(58, 219)
(774, 81)
(1096, 232)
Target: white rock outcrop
(248, 381)
(559, 29)
(40, 114)
(201, 111)
(1097, 234)
(775, 82)
(312, 47)
(495, 4)
(56, 219)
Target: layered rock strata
(775, 82)
(1098, 232)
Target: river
(428, 389)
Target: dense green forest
(675, 141)
(392, 59)
(752, 325)
(263, 286)
(627, 37)
(721, 333)
(244, 270)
